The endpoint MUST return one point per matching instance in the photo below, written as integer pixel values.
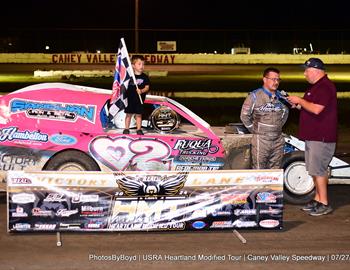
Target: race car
(64, 127)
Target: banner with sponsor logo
(144, 201)
(166, 46)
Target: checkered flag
(122, 75)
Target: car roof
(81, 88)
(67, 86)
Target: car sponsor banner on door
(144, 201)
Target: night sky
(155, 14)
(198, 26)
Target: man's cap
(314, 63)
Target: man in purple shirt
(318, 127)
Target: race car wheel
(299, 187)
(71, 160)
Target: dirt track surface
(308, 237)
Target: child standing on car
(134, 92)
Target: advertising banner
(166, 46)
(144, 201)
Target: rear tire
(299, 187)
(71, 160)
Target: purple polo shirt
(321, 127)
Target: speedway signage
(106, 58)
(144, 201)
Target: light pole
(136, 26)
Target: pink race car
(56, 126)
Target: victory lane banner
(144, 201)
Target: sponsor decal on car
(200, 159)
(17, 161)
(54, 110)
(63, 139)
(196, 168)
(121, 153)
(13, 134)
(196, 147)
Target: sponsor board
(166, 46)
(144, 201)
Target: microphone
(284, 96)
(284, 93)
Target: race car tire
(71, 160)
(298, 185)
